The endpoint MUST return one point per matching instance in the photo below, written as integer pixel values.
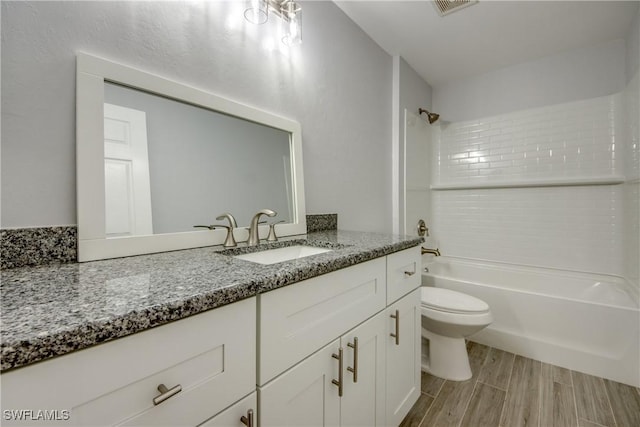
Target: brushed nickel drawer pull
(397, 334)
(409, 273)
(248, 420)
(339, 382)
(166, 393)
(354, 370)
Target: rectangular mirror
(155, 158)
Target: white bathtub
(585, 322)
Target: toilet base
(446, 357)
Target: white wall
(553, 119)
(411, 93)
(631, 95)
(578, 74)
(337, 84)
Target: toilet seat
(446, 300)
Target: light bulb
(257, 11)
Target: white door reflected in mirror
(126, 172)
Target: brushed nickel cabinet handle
(397, 334)
(166, 393)
(354, 370)
(248, 419)
(409, 273)
(339, 382)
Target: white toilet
(448, 317)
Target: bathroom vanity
(199, 337)
(193, 334)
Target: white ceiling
(488, 35)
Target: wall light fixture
(257, 12)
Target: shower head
(432, 117)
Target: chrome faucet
(435, 252)
(254, 234)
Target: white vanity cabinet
(403, 356)
(210, 357)
(305, 381)
(339, 349)
(403, 273)
(341, 384)
(241, 414)
(297, 320)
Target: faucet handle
(210, 227)
(272, 231)
(229, 241)
(229, 217)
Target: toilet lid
(452, 301)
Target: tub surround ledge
(55, 309)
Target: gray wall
(569, 76)
(337, 84)
(633, 48)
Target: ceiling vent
(445, 7)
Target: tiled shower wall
(550, 224)
(577, 139)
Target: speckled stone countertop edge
(40, 348)
(33, 348)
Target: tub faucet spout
(435, 252)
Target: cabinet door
(363, 401)
(232, 417)
(304, 395)
(295, 321)
(403, 357)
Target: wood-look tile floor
(507, 390)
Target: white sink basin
(287, 253)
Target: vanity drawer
(297, 320)
(403, 273)
(211, 355)
(231, 417)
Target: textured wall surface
(569, 76)
(337, 84)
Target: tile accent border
(322, 222)
(21, 247)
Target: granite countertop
(52, 310)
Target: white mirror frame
(92, 72)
